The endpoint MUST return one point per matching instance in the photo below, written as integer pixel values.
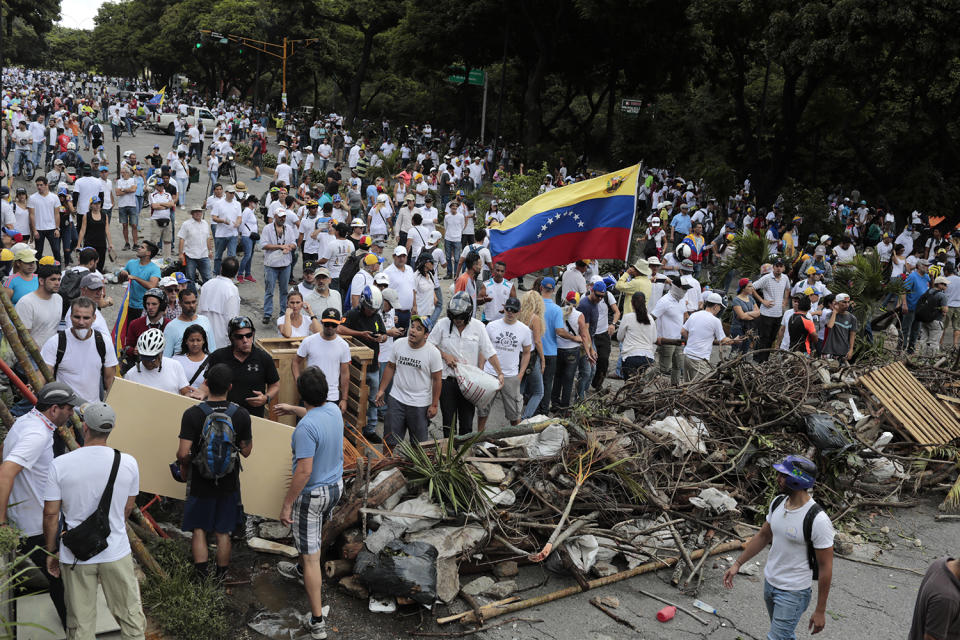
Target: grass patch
(182, 606)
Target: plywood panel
(148, 428)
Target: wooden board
(148, 428)
(917, 413)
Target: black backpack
(70, 287)
(927, 308)
(808, 519)
(350, 268)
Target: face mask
(677, 292)
(307, 285)
(82, 334)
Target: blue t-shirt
(319, 435)
(326, 197)
(21, 286)
(916, 285)
(681, 223)
(371, 194)
(173, 335)
(552, 320)
(144, 272)
(590, 311)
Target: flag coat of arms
(589, 219)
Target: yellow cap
(811, 271)
(26, 255)
(6, 255)
(47, 260)
(370, 259)
(808, 291)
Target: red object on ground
(24, 389)
(666, 613)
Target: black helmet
(239, 322)
(460, 307)
(155, 292)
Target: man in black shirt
(365, 324)
(255, 377)
(212, 505)
(334, 178)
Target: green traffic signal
(199, 45)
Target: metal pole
(483, 118)
(503, 83)
(283, 95)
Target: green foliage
(243, 152)
(866, 283)
(184, 607)
(389, 168)
(16, 569)
(269, 160)
(751, 251)
(513, 191)
(449, 481)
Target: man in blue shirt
(916, 284)
(552, 320)
(590, 308)
(143, 274)
(316, 485)
(681, 224)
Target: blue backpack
(217, 454)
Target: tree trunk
(532, 110)
(353, 103)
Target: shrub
(269, 160)
(243, 152)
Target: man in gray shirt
(841, 330)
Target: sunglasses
(243, 336)
(147, 358)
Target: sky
(78, 14)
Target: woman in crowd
(193, 353)
(424, 294)
(638, 338)
(745, 312)
(95, 232)
(298, 321)
(531, 386)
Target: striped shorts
(309, 511)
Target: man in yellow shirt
(636, 278)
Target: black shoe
(266, 321)
(373, 438)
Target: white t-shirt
(844, 255)
(430, 216)
(362, 279)
(337, 254)
(283, 172)
(229, 211)
(194, 234)
(159, 198)
(702, 329)
(316, 245)
(772, 289)
(77, 479)
(80, 368)
(40, 317)
(423, 288)
(467, 346)
(509, 340)
(378, 220)
(169, 377)
(412, 384)
(571, 324)
(296, 332)
(189, 367)
(328, 355)
(106, 188)
(498, 292)
(787, 567)
(126, 199)
(453, 224)
(29, 444)
(402, 282)
(44, 210)
(668, 313)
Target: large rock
(506, 569)
(478, 586)
(501, 590)
(493, 473)
(273, 530)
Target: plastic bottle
(666, 613)
(703, 606)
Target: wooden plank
(894, 407)
(898, 386)
(892, 395)
(942, 418)
(913, 405)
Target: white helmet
(371, 298)
(71, 146)
(682, 252)
(127, 154)
(150, 343)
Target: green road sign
(476, 77)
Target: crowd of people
(359, 256)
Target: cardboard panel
(148, 426)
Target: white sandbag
(714, 501)
(583, 551)
(476, 385)
(688, 434)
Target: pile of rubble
(642, 478)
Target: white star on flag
(580, 224)
(543, 228)
(540, 235)
(576, 216)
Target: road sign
(631, 105)
(476, 77)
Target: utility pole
(503, 84)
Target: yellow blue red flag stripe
(588, 219)
(120, 326)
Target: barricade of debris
(640, 479)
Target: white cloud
(78, 14)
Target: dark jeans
(403, 318)
(634, 365)
(601, 342)
(567, 361)
(68, 240)
(48, 235)
(909, 330)
(549, 371)
(453, 403)
(35, 547)
(767, 328)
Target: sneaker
(373, 438)
(290, 570)
(250, 279)
(126, 246)
(239, 279)
(318, 630)
(266, 321)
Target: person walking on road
(801, 551)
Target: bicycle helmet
(371, 298)
(159, 295)
(460, 307)
(799, 472)
(150, 342)
(71, 146)
(239, 322)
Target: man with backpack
(931, 311)
(212, 434)
(82, 356)
(801, 551)
(916, 285)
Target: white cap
(434, 237)
(400, 251)
(381, 278)
(712, 297)
(382, 197)
(654, 260)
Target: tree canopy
(863, 93)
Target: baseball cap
(381, 278)
(230, 188)
(548, 283)
(57, 393)
(357, 222)
(98, 416)
(809, 291)
(941, 280)
(840, 297)
(6, 255)
(400, 250)
(103, 167)
(181, 277)
(25, 255)
(434, 237)
(380, 243)
(390, 295)
(599, 287)
(712, 297)
(330, 316)
(322, 271)
(743, 282)
(572, 296)
(370, 259)
(365, 241)
(778, 262)
(337, 198)
(91, 281)
(820, 250)
(655, 222)
(686, 265)
(309, 266)
(168, 281)
(513, 304)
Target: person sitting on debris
(213, 503)
(316, 485)
(801, 534)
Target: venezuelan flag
(120, 327)
(589, 219)
(158, 98)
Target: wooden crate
(284, 351)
